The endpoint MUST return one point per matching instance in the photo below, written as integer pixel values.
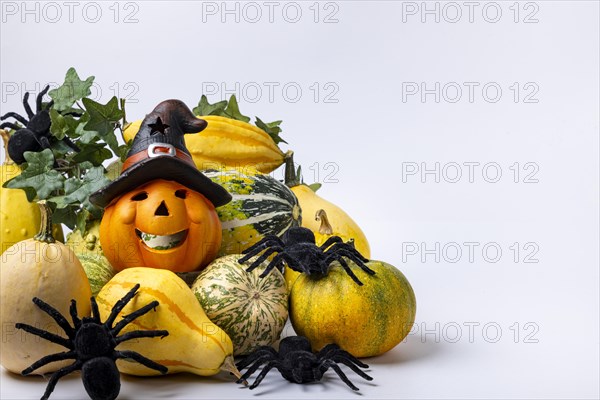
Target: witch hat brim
(170, 169)
(159, 152)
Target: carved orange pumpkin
(161, 224)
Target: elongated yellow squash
(194, 343)
(227, 143)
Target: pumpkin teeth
(162, 242)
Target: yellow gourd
(19, 219)
(365, 320)
(227, 143)
(194, 343)
(44, 268)
(314, 207)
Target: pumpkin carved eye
(181, 193)
(140, 196)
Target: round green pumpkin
(365, 320)
(250, 309)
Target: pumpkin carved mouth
(162, 242)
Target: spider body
(35, 136)
(91, 343)
(298, 249)
(298, 364)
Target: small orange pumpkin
(161, 224)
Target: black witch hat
(159, 152)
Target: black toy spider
(298, 249)
(297, 363)
(91, 344)
(36, 133)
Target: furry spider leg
(355, 259)
(331, 240)
(120, 305)
(335, 353)
(129, 318)
(349, 248)
(331, 364)
(10, 125)
(337, 256)
(264, 256)
(57, 316)
(268, 367)
(48, 359)
(40, 96)
(140, 334)
(342, 360)
(57, 375)
(253, 367)
(95, 310)
(16, 116)
(256, 355)
(142, 360)
(45, 335)
(28, 110)
(268, 238)
(333, 349)
(70, 143)
(74, 316)
(291, 262)
(344, 265)
(256, 248)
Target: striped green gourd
(250, 309)
(260, 206)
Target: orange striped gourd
(194, 343)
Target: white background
(487, 326)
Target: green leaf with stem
(272, 129)
(38, 175)
(72, 90)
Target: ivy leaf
(67, 215)
(82, 220)
(88, 137)
(233, 110)
(314, 186)
(72, 89)
(58, 125)
(95, 153)
(77, 191)
(205, 108)
(38, 175)
(272, 129)
(103, 117)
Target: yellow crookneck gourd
(19, 219)
(194, 343)
(227, 143)
(314, 207)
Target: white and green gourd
(251, 310)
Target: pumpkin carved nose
(162, 210)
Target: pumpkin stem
(5, 136)
(45, 233)
(291, 177)
(325, 228)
